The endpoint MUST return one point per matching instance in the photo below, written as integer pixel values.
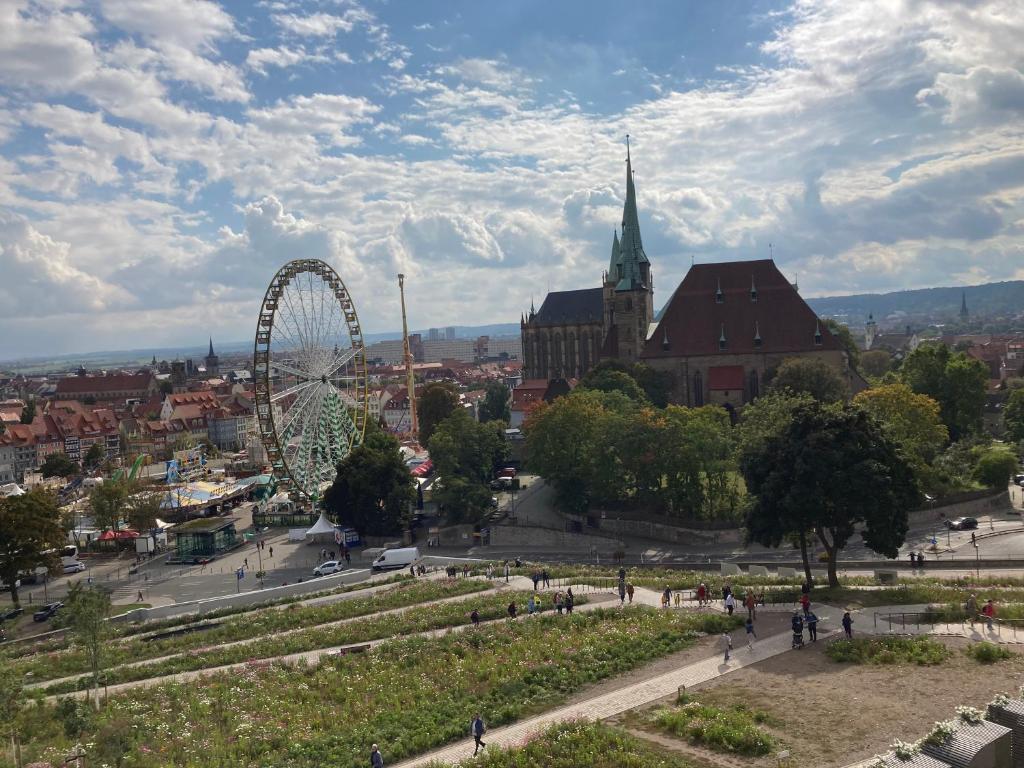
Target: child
(726, 644)
(848, 625)
(751, 635)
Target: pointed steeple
(211, 347)
(613, 266)
(963, 304)
(631, 248)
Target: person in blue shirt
(478, 729)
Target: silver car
(326, 569)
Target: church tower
(870, 331)
(628, 285)
(212, 362)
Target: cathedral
(574, 330)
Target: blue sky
(160, 159)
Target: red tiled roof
(113, 384)
(186, 398)
(693, 321)
(725, 377)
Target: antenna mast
(414, 424)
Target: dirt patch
(830, 714)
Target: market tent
(162, 525)
(322, 525)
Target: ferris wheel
(309, 367)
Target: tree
(93, 456)
(846, 341)
(912, 420)
(142, 506)
(875, 363)
(59, 465)
(373, 491)
(29, 527)
(832, 471)
(956, 381)
(86, 611)
(608, 379)
(495, 405)
(1013, 416)
(656, 385)
(466, 454)
(12, 696)
(28, 413)
(812, 376)
(108, 501)
(995, 467)
(166, 387)
(434, 405)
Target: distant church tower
(212, 362)
(870, 331)
(963, 305)
(628, 289)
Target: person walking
(629, 591)
(544, 578)
(271, 551)
(677, 598)
(725, 642)
(751, 603)
(989, 612)
(702, 594)
(559, 602)
(805, 603)
(812, 627)
(475, 617)
(751, 635)
(139, 598)
(726, 591)
(478, 729)
(971, 609)
(536, 580)
(531, 606)
(512, 610)
(376, 758)
(622, 573)
(666, 597)
(848, 625)
(570, 600)
(730, 603)
(507, 569)
(622, 592)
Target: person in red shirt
(805, 603)
(702, 593)
(989, 612)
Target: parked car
(326, 569)
(1019, 480)
(962, 524)
(501, 484)
(76, 567)
(11, 613)
(47, 611)
(508, 472)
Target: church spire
(613, 266)
(963, 304)
(211, 347)
(633, 266)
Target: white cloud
(314, 25)
(190, 24)
(258, 59)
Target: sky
(161, 159)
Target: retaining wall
(997, 503)
(529, 536)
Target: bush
(922, 651)
(732, 729)
(995, 467)
(988, 653)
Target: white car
(326, 569)
(74, 567)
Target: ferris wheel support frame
(262, 363)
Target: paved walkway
(614, 703)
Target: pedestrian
(479, 729)
(271, 551)
(989, 612)
(465, 571)
(974, 539)
(622, 591)
(559, 602)
(726, 591)
(913, 559)
(848, 625)
(677, 598)
(546, 580)
(629, 591)
(812, 627)
(805, 588)
(730, 603)
(805, 603)
(751, 603)
(702, 594)
(971, 609)
(376, 759)
(622, 573)
(412, 571)
(536, 580)
(512, 610)
(539, 603)
(139, 598)
(920, 560)
(725, 642)
(506, 571)
(475, 617)
(247, 562)
(666, 597)
(751, 635)
(531, 606)
(263, 545)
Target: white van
(396, 558)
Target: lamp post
(977, 560)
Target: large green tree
(28, 413)
(495, 405)
(435, 404)
(912, 420)
(59, 465)
(142, 506)
(373, 491)
(957, 382)
(995, 466)
(831, 472)
(812, 376)
(94, 456)
(86, 612)
(108, 502)
(466, 454)
(607, 379)
(1013, 416)
(656, 385)
(875, 363)
(29, 526)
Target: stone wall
(529, 536)
(997, 503)
(664, 532)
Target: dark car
(47, 611)
(962, 524)
(11, 613)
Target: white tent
(323, 525)
(11, 489)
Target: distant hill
(989, 300)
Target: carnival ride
(309, 366)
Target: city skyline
(157, 167)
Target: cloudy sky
(160, 159)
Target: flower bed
(412, 694)
(888, 650)
(72, 661)
(733, 729)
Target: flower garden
(412, 694)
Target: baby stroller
(798, 631)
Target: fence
(917, 619)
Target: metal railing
(917, 619)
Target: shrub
(988, 653)
(892, 649)
(732, 729)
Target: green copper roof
(631, 247)
(613, 266)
